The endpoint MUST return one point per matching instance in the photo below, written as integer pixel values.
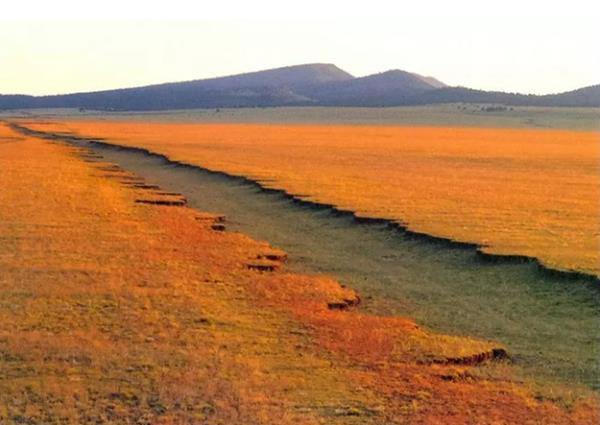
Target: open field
(524, 192)
(451, 115)
(122, 305)
(549, 324)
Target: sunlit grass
(115, 311)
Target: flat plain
(213, 306)
(519, 192)
(450, 115)
(122, 305)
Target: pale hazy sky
(63, 46)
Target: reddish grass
(123, 312)
(528, 192)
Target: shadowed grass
(550, 325)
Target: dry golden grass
(113, 311)
(517, 191)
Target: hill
(300, 85)
(584, 97)
(384, 89)
(262, 88)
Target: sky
(517, 46)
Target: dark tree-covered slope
(310, 84)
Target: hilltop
(317, 84)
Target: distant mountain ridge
(317, 84)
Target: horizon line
(291, 66)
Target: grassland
(451, 115)
(121, 305)
(448, 293)
(548, 324)
(514, 192)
